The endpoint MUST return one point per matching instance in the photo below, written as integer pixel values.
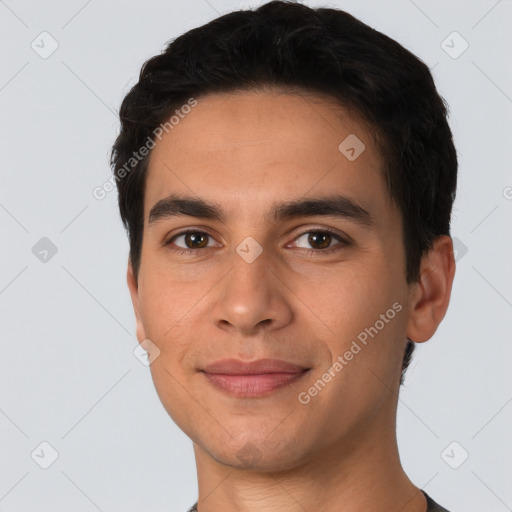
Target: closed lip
(259, 367)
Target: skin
(246, 152)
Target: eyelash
(189, 252)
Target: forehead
(247, 150)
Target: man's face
(261, 282)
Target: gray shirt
(432, 506)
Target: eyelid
(343, 239)
(185, 231)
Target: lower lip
(253, 385)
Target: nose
(252, 298)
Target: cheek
(364, 309)
(346, 299)
(166, 324)
(163, 314)
(165, 299)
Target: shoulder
(432, 506)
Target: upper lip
(261, 366)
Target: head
(277, 113)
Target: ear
(134, 293)
(430, 296)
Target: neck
(358, 474)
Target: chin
(258, 455)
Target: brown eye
(196, 240)
(191, 240)
(320, 241)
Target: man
(286, 177)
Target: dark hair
(323, 51)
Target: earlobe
(431, 295)
(134, 294)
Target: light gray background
(67, 372)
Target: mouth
(252, 379)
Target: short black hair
(324, 51)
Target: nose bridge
(251, 295)
(249, 259)
(250, 274)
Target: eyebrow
(339, 206)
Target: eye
(321, 240)
(190, 240)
